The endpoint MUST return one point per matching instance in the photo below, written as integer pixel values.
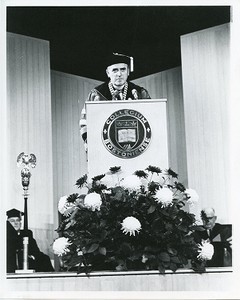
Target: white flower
(107, 192)
(164, 196)
(131, 182)
(110, 180)
(93, 201)
(192, 196)
(130, 225)
(60, 246)
(65, 207)
(206, 251)
(144, 259)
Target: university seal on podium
(126, 133)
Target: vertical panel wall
(69, 93)
(30, 131)
(168, 84)
(205, 69)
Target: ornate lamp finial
(26, 161)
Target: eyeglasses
(208, 218)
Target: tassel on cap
(126, 56)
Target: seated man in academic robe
(219, 235)
(37, 260)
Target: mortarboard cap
(14, 213)
(117, 58)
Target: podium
(131, 134)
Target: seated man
(116, 88)
(220, 236)
(38, 261)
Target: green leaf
(102, 250)
(103, 223)
(164, 256)
(92, 248)
(126, 248)
(198, 228)
(151, 209)
(165, 213)
(168, 226)
(103, 235)
(156, 224)
(172, 251)
(161, 269)
(166, 265)
(175, 260)
(173, 266)
(183, 228)
(184, 260)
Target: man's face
(209, 220)
(15, 222)
(118, 74)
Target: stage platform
(215, 279)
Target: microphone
(134, 93)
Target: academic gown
(218, 238)
(37, 260)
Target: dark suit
(37, 260)
(218, 238)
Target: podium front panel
(131, 134)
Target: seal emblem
(126, 133)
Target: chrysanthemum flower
(81, 181)
(131, 182)
(110, 180)
(192, 196)
(115, 169)
(93, 201)
(206, 251)
(144, 259)
(130, 225)
(60, 246)
(164, 196)
(170, 172)
(65, 207)
(141, 173)
(154, 169)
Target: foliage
(100, 240)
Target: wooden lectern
(131, 134)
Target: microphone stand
(26, 161)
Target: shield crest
(127, 133)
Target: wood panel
(29, 129)
(205, 69)
(168, 84)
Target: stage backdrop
(205, 69)
(30, 131)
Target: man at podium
(117, 87)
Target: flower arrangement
(134, 223)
